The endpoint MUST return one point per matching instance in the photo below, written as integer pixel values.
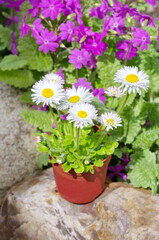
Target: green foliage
(146, 138)
(131, 130)
(26, 97)
(43, 160)
(36, 60)
(17, 78)
(145, 172)
(105, 70)
(5, 37)
(62, 145)
(12, 62)
(41, 120)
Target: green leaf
(98, 163)
(42, 120)
(17, 78)
(101, 151)
(43, 160)
(26, 97)
(12, 62)
(99, 105)
(66, 167)
(144, 172)
(5, 37)
(107, 67)
(36, 59)
(131, 130)
(146, 138)
(42, 148)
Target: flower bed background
(88, 41)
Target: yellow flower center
(110, 121)
(53, 80)
(132, 78)
(47, 92)
(82, 114)
(74, 99)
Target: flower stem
(78, 136)
(51, 110)
(120, 109)
(111, 104)
(76, 73)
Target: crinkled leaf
(36, 59)
(26, 97)
(146, 138)
(43, 160)
(17, 78)
(12, 62)
(42, 120)
(144, 172)
(5, 37)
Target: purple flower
(37, 27)
(142, 18)
(83, 82)
(83, 32)
(126, 50)
(11, 20)
(41, 108)
(54, 126)
(36, 6)
(140, 37)
(125, 158)
(13, 44)
(146, 123)
(100, 11)
(152, 2)
(95, 44)
(73, 6)
(115, 23)
(24, 27)
(68, 31)
(47, 40)
(51, 8)
(1, 1)
(63, 117)
(48, 133)
(92, 62)
(14, 4)
(99, 93)
(124, 10)
(116, 172)
(60, 73)
(79, 58)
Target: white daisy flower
(82, 114)
(53, 77)
(47, 92)
(132, 79)
(114, 92)
(110, 120)
(74, 96)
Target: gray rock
(33, 210)
(17, 147)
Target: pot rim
(108, 158)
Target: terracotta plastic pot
(80, 187)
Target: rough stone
(17, 148)
(33, 210)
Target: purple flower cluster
(114, 172)
(51, 31)
(90, 44)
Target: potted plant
(79, 40)
(79, 145)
